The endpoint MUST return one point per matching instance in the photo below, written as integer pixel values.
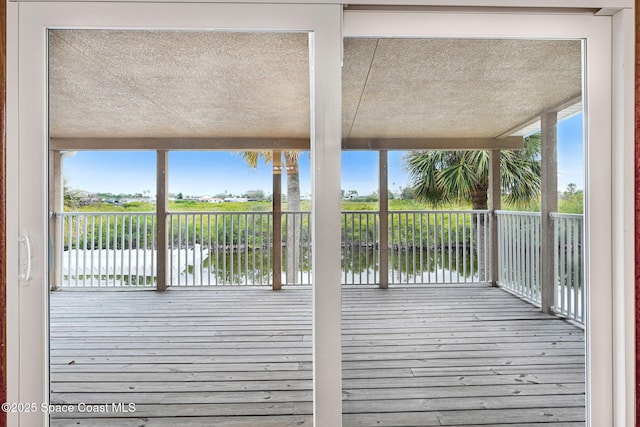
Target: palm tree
(446, 176)
(293, 202)
(71, 197)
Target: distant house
(210, 199)
(88, 199)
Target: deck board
(241, 356)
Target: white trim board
(609, 7)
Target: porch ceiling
(140, 84)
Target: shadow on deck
(241, 356)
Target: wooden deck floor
(429, 356)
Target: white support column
(56, 205)
(162, 237)
(326, 150)
(549, 172)
(383, 207)
(277, 221)
(495, 204)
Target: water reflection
(360, 265)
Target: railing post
(549, 177)
(56, 205)
(495, 194)
(162, 237)
(383, 202)
(277, 221)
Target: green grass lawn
(191, 206)
(566, 205)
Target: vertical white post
(56, 204)
(277, 221)
(326, 147)
(162, 239)
(494, 204)
(549, 172)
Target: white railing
(205, 248)
(105, 249)
(424, 247)
(519, 253)
(519, 259)
(439, 246)
(296, 228)
(570, 298)
(117, 249)
(235, 248)
(214, 248)
(360, 255)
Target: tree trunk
(293, 221)
(479, 199)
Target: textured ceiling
(457, 88)
(231, 84)
(186, 84)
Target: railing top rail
(566, 215)
(219, 213)
(519, 213)
(233, 212)
(448, 211)
(364, 211)
(103, 213)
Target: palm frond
(422, 168)
(252, 158)
(457, 181)
(445, 176)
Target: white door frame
(28, 139)
(611, 349)
(605, 376)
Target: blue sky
(570, 152)
(209, 173)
